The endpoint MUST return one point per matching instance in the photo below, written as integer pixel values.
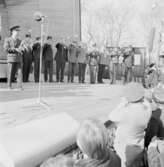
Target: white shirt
(132, 120)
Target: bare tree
(105, 25)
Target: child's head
(92, 139)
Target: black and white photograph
(81, 83)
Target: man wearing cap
(36, 58)
(27, 56)
(14, 56)
(72, 60)
(131, 117)
(48, 59)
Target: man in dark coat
(27, 57)
(14, 57)
(48, 59)
(60, 58)
(101, 67)
(36, 58)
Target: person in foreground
(131, 117)
(93, 140)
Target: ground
(78, 100)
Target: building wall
(62, 17)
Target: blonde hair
(92, 139)
(59, 161)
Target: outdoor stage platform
(78, 100)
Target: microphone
(38, 16)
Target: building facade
(62, 19)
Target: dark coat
(12, 47)
(47, 52)
(36, 51)
(61, 54)
(154, 128)
(27, 53)
(73, 54)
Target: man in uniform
(27, 56)
(61, 57)
(82, 61)
(14, 56)
(129, 62)
(72, 60)
(36, 58)
(48, 59)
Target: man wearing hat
(14, 56)
(27, 56)
(48, 59)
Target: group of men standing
(21, 55)
(125, 58)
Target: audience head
(92, 139)
(59, 161)
(38, 38)
(133, 92)
(14, 31)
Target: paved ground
(78, 100)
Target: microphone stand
(40, 101)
